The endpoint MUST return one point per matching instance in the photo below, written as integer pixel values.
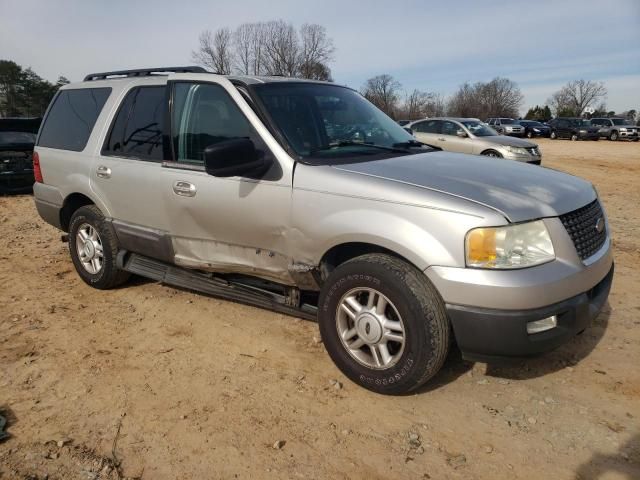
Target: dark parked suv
(17, 139)
(573, 128)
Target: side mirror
(408, 130)
(237, 157)
(461, 133)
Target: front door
(229, 224)
(450, 141)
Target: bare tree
(419, 104)
(500, 97)
(576, 95)
(281, 49)
(316, 50)
(384, 92)
(215, 51)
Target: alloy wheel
(370, 328)
(89, 248)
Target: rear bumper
(17, 182)
(488, 334)
(48, 202)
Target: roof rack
(143, 72)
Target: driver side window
(203, 115)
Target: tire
(529, 134)
(87, 221)
(574, 137)
(492, 153)
(613, 136)
(553, 135)
(412, 304)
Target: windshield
(324, 122)
(620, 121)
(17, 137)
(479, 129)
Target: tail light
(37, 172)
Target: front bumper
(488, 334)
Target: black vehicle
(17, 139)
(573, 128)
(534, 129)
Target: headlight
(511, 246)
(536, 130)
(583, 131)
(518, 150)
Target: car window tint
(71, 118)
(138, 127)
(449, 128)
(203, 115)
(430, 126)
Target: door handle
(184, 189)
(103, 172)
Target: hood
(508, 141)
(517, 190)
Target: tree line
(279, 48)
(267, 48)
(23, 93)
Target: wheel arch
(73, 202)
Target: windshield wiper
(415, 143)
(352, 143)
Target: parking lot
(172, 384)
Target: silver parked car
(470, 135)
(304, 198)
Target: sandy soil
(170, 384)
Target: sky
(429, 45)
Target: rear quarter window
(71, 118)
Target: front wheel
(553, 135)
(574, 137)
(383, 323)
(93, 247)
(613, 136)
(529, 134)
(491, 153)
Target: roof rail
(143, 72)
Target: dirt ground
(170, 384)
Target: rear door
(127, 170)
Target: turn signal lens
(481, 245)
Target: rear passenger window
(71, 118)
(138, 127)
(203, 115)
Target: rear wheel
(93, 247)
(613, 136)
(383, 323)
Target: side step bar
(209, 284)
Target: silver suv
(470, 135)
(304, 198)
(507, 126)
